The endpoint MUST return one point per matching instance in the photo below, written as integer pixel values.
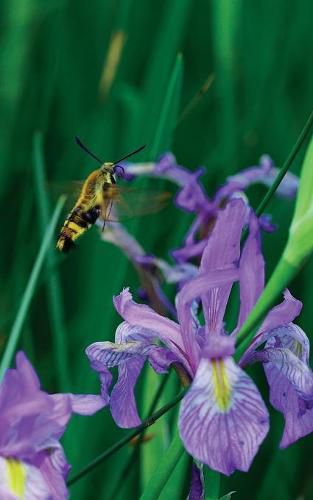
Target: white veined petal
(223, 419)
(22, 481)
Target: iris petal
(21, 480)
(223, 419)
(222, 252)
(291, 367)
(123, 403)
(193, 289)
(145, 318)
(251, 271)
(129, 356)
(278, 317)
(298, 412)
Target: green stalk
(30, 289)
(165, 469)
(55, 301)
(281, 277)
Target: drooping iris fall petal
(223, 419)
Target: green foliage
(299, 245)
(53, 57)
(166, 467)
(212, 481)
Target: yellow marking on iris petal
(17, 477)
(221, 385)
(298, 349)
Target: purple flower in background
(264, 173)
(192, 197)
(32, 461)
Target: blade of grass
(165, 469)
(53, 282)
(179, 484)
(169, 111)
(30, 289)
(227, 15)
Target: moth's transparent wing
(71, 190)
(131, 202)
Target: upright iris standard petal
(222, 252)
(251, 271)
(195, 288)
(223, 419)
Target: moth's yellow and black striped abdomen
(87, 208)
(75, 225)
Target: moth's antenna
(129, 154)
(81, 145)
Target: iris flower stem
(281, 277)
(138, 430)
(30, 289)
(165, 469)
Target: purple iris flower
(32, 461)
(223, 419)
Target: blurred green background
(109, 71)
